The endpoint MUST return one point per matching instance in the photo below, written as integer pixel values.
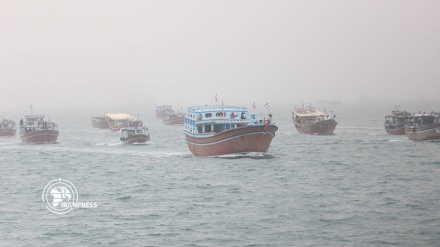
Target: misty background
(109, 56)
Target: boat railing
(260, 119)
(221, 120)
(7, 124)
(31, 126)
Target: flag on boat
(266, 105)
(253, 105)
(216, 99)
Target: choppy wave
(346, 189)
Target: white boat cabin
(217, 118)
(35, 123)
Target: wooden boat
(174, 119)
(163, 110)
(308, 120)
(7, 127)
(423, 127)
(117, 121)
(36, 130)
(132, 135)
(218, 130)
(395, 123)
(99, 122)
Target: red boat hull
(162, 114)
(115, 128)
(8, 132)
(101, 124)
(173, 121)
(326, 127)
(239, 140)
(430, 132)
(398, 129)
(137, 139)
(40, 136)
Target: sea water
(358, 187)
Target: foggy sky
(103, 54)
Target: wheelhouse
(35, 123)
(422, 120)
(133, 131)
(395, 120)
(309, 115)
(6, 124)
(209, 119)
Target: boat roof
(214, 108)
(423, 115)
(120, 116)
(132, 128)
(34, 116)
(307, 112)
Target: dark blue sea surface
(358, 187)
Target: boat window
(219, 114)
(218, 128)
(243, 115)
(428, 120)
(208, 115)
(207, 128)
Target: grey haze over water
(99, 54)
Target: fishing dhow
(36, 130)
(7, 127)
(133, 135)
(219, 130)
(308, 120)
(423, 127)
(395, 123)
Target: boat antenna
(267, 106)
(223, 110)
(32, 109)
